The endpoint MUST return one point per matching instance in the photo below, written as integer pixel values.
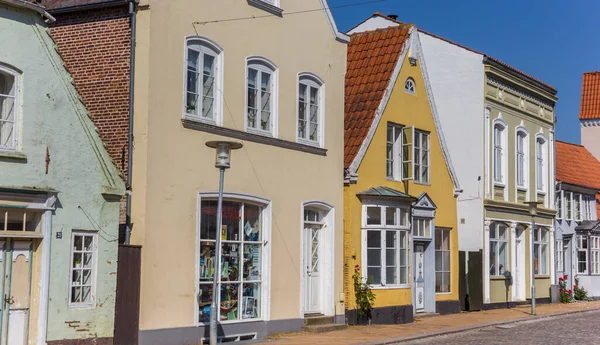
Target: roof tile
(372, 56)
(590, 96)
(576, 165)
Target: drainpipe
(130, 127)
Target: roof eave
(513, 72)
(94, 6)
(31, 6)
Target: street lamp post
(533, 212)
(223, 157)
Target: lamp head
(223, 152)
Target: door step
(419, 316)
(318, 323)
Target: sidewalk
(431, 326)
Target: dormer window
(409, 86)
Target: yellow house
(400, 223)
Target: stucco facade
(174, 173)
(59, 191)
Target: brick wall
(95, 46)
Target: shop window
(540, 251)
(83, 266)
(582, 251)
(241, 260)
(498, 248)
(442, 261)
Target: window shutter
(408, 135)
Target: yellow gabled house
(400, 223)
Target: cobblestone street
(569, 329)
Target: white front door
(312, 266)
(16, 289)
(419, 279)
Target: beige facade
(273, 180)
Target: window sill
(422, 183)
(497, 277)
(265, 6)
(309, 143)
(13, 155)
(444, 293)
(522, 189)
(248, 136)
(260, 132)
(190, 117)
(542, 276)
(389, 287)
(499, 184)
(539, 192)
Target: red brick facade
(95, 45)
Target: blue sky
(552, 40)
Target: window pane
(230, 269)
(78, 243)
(438, 261)
(207, 257)
(390, 239)
(403, 216)
(252, 97)
(208, 219)
(86, 277)
(302, 118)
(374, 275)
(229, 302)
(230, 229)
(252, 224)
(390, 215)
(403, 275)
(314, 113)
(373, 215)
(251, 301)
(493, 257)
(252, 261)
(87, 260)
(75, 294)
(391, 275)
(373, 257)
(374, 239)
(204, 300)
(77, 258)
(544, 259)
(446, 261)
(438, 239)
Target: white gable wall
(457, 81)
(372, 23)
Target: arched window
(499, 141)
(310, 108)
(409, 86)
(498, 248)
(261, 91)
(8, 108)
(540, 164)
(204, 80)
(522, 166)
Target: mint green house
(59, 196)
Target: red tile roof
(576, 165)
(590, 96)
(377, 14)
(372, 57)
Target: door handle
(9, 300)
(308, 272)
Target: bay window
(9, 82)
(203, 83)
(385, 245)
(442, 261)
(582, 253)
(540, 251)
(310, 109)
(261, 96)
(498, 248)
(595, 254)
(242, 252)
(421, 227)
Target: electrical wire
(286, 13)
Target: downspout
(130, 127)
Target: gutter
(31, 6)
(77, 8)
(132, 14)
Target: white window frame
(410, 86)
(272, 2)
(559, 205)
(408, 137)
(587, 207)
(568, 205)
(499, 152)
(582, 249)
(263, 65)
(498, 242)
(206, 47)
(401, 226)
(449, 250)
(543, 270)
(541, 173)
(577, 207)
(522, 175)
(419, 166)
(422, 223)
(396, 145)
(559, 255)
(94, 268)
(266, 219)
(594, 255)
(311, 80)
(16, 114)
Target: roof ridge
(389, 28)
(592, 72)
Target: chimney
(393, 16)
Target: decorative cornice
(525, 95)
(257, 138)
(265, 6)
(590, 123)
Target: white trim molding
(590, 123)
(341, 37)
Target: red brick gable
(576, 165)
(372, 57)
(590, 96)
